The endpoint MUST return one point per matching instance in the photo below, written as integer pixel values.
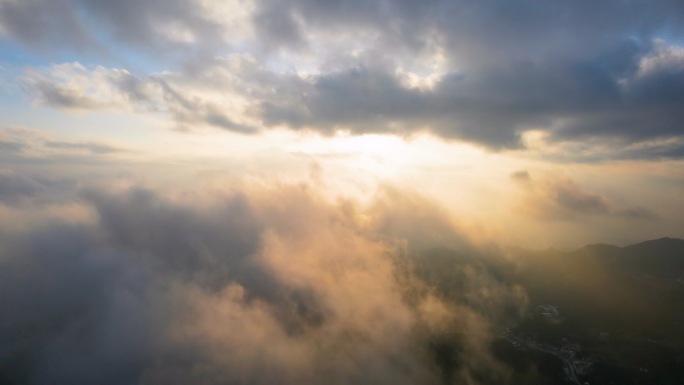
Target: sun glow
(380, 146)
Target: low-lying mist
(267, 285)
(280, 283)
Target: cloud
(521, 175)
(637, 213)
(468, 33)
(602, 149)
(475, 33)
(562, 199)
(485, 73)
(494, 105)
(92, 147)
(11, 146)
(253, 286)
(72, 86)
(557, 67)
(569, 196)
(27, 148)
(15, 187)
(33, 23)
(149, 24)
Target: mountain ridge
(647, 243)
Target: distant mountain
(617, 313)
(662, 244)
(623, 305)
(664, 256)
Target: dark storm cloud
(276, 285)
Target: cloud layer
(274, 285)
(486, 73)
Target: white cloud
(72, 86)
(667, 58)
(190, 104)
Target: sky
(538, 125)
(173, 171)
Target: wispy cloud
(562, 199)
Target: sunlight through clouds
(346, 191)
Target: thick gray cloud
(470, 32)
(608, 96)
(579, 71)
(85, 24)
(477, 32)
(142, 22)
(630, 95)
(33, 22)
(575, 69)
